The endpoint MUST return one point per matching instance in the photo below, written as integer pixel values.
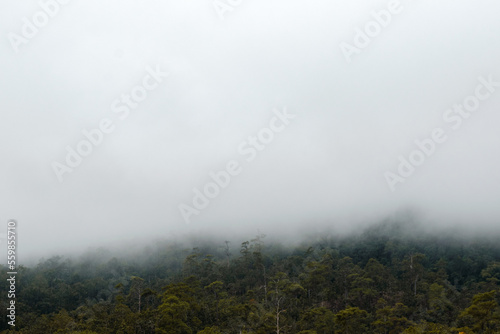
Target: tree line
(387, 279)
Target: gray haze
(352, 119)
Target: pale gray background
(353, 120)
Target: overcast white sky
(352, 119)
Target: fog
(125, 120)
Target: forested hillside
(387, 279)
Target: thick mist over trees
(123, 118)
(249, 167)
(389, 278)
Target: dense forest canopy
(389, 278)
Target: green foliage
(173, 316)
(380, 281)
(210, 330)
(430, 328)
(390, 319)
(319, 320)
(351, 320)
(484, 313)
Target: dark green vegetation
(387, 279)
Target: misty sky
(231, 70)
